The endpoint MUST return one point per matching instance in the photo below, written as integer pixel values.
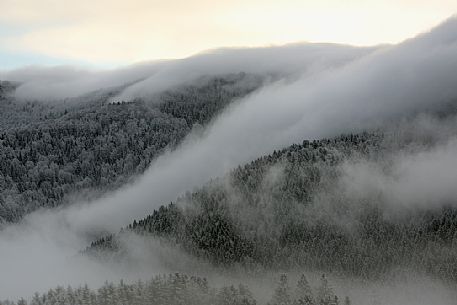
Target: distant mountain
(49, 151)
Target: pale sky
(107, 33)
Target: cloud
(39, 253)
(57, 83)
(42, 252)
(63, 82)
(284, 61)
(412, 180)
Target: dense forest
(50, 151)
(284, 210)
(179, 289)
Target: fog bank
(146, 79)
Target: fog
(337, 93)
(42, 252)
(51, 84)
(39, 253)
(424, 179)
(290, 61)
(145, 79)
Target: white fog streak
(424, 179)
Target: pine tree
(281, 294)
(325, 294)
(22, 302)
(303, 292)
(246, 297)
(36, 299)
(347, 301)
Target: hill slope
(289, 209)
(50, 151)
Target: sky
(110, 33)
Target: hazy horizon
(111, 34)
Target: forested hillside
(51, 151)
(287, 209)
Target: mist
(289, 61)
(143, 80)
(51, 84)
(425, 179)
(347, 90)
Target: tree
(281, 295)
(303, 292)
(325, 294)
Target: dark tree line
(180, 289)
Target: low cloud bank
(145, 79)
(424, 179)
(290, 61)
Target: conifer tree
(303, 292)
(281, 294)
(325, 294)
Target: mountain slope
(50, 151)
(289, 209)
